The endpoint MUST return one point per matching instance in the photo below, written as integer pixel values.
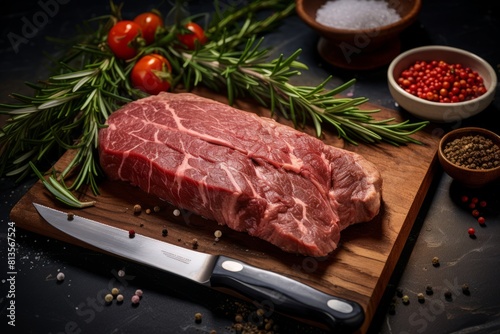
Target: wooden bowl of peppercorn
(441, 84)
(471, 156)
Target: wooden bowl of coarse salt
(471, 156)
(358, 34)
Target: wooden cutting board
(358, 270)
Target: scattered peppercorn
(119, 298)
(465, 289)
(471, 231)
(121, 273)
(269, 325)
(135, 299)
(238, 318)
(137, 208)
(406, 300)
(218, 233)
(435, 261)
(428, 290)
(148, 211)
(399, 292)
(473, 152)
(447, 295)
(481, 220)
(238, 328)
(60, 277)
(156, 208)
(139, 292)
(197, 317)
(108, 298)
(164, 232)
(131, 234)
(71, 215)
(483, 204)
(115, 291)
(194, 243)
(177, 212)
(421, 297)
(475, 213)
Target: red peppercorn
(131, 233)
(465, 198)
(475, 213)
(438, 81)
(471, 231)
(483, 204)
(481, 220)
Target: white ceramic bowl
(436, 111)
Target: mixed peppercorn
(473, 152)
(438, 81)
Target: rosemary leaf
(74, 75)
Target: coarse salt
(356, 14)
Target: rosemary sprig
(66, 112)
(248, 73)
(60, 190)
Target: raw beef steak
(245, 171)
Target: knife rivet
(340, 306)
(232, 266)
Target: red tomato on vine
(124, 39)
(195, 35)
(152, 74)
(150, 23)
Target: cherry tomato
(124, 38)
(189, 39)
(151, 74)
(149, 22)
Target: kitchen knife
(286, 295)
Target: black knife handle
(286, 295)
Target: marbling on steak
(247, 172)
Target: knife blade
(287, 295)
